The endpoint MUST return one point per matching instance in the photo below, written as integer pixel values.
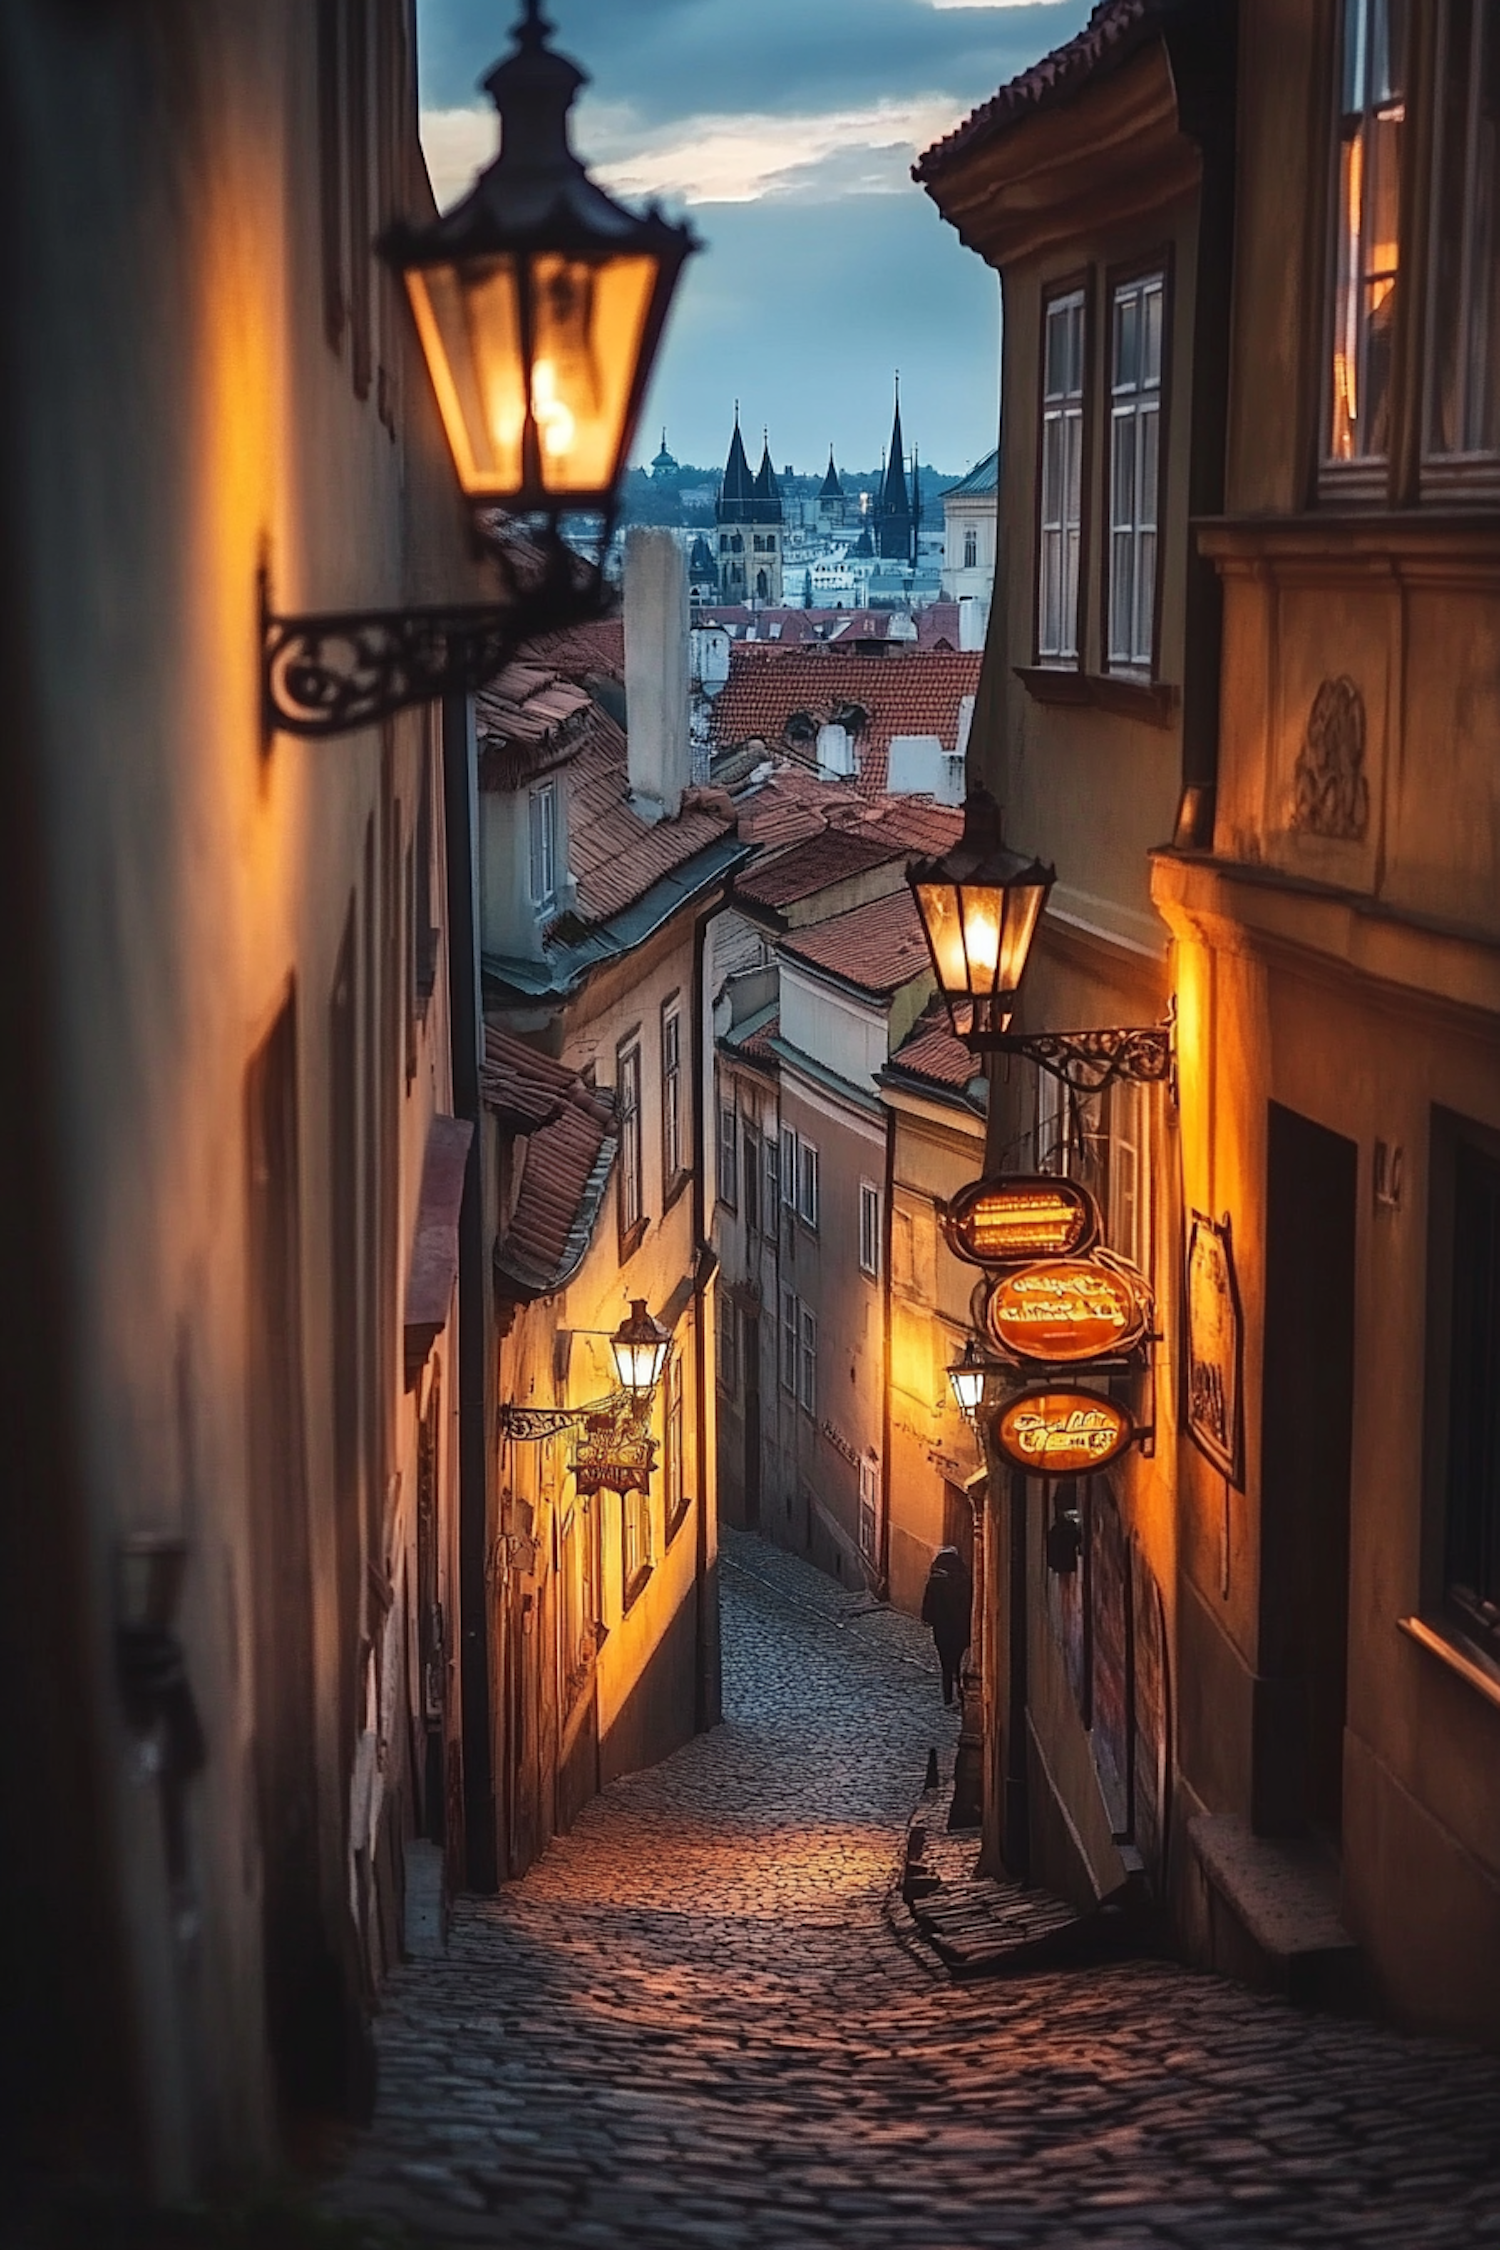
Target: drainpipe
(707, 1687)
(884, 1563)
(460, 791)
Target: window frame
(807, 1358)
(726, 1182)
(727, 1354)
(750, 1178)
(1461, 470)
(1134, 669)
(869, 1507)
(1365, 476)
(630, 1185)
(789, 1329)
(673, 1141)
(871, 1199)
(1456, 1618)
(679, 1500)
(1079, 284)
(787, 1167)
(637, 1547)
(809, 1183)
(542, 797)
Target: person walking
(946, 1602)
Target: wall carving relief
(1332, 794)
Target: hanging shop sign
(1213, 1406)
(1012, 1221)
(1061, 1433)
(613, 1456)
(1067, 1309)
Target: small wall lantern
(640, 1346)
(967, 1378)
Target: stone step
(1276, 1919)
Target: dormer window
(542, 839)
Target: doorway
(1306, 1435)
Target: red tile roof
(903, 690)
(937, 623)
(859, 834)
(931, 1051)
(568, 1155)
(614, 855)
(527, 719)
(1115, 31)
(876, 948)
(583, 651)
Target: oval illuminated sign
(1010, 1222)
(1065, 1309)
(1061, 1433)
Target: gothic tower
(749, 516)
(833, 508)
(894, 531)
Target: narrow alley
(692, 2023)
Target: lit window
(789, 1341)
(1464, 402)
(729, 1155)
(869, 1228)
(1372, 111)
(631, 1194)
(1061, 478)
(671, 1095)
(542, 832)
(807, 1360)
(1134, 467)
(807, 1182)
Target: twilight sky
(786, 128)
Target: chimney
(656, 673)
(972, 619)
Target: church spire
(893, 513)
(736, 502)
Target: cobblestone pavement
(692, 2025)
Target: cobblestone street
(693, 2024)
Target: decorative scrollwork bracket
(1088, 1061)
(332, 672)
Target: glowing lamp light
(967, 1377)
(539, 302)
(640, 1345)
(980, 904)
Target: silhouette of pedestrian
(946, 1602)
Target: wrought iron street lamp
(539, 303)
(981, 904)
(640, 1346)
(967, 1378)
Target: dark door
(752, 1420)
(1306, 1428)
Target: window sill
(631, 1240)
(674, 1188)
(1480, 1675)
(1153, 701)
(635, 1588)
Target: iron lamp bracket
(1088, 1061)
(331, 672)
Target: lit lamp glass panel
(640, 1349)
(967, 1379)
(588, 320)
(980, 904)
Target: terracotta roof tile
(614, 855)
(904, 690)
(1115, 31)
(759, 1041)
(856, 835)
(931, 1051)
(583, 651)
(876, 948)
(937, 625)
(569, 1151)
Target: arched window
(971, 548)
(761, 587)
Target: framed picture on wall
(1213, 1402)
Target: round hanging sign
(1061, 1433)
(1065, 1309)
(1011, 1219)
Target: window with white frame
(729, 1155)
(807, 1360)
(1060, 514)
(1128, 1193)
(1463, 405)
(869, 1229)
(1136, 314)
(1366, 252)
(671, 1094)
(631, 1187)
(789, 1167)
(807, 1182)
(541, 816)
(971, 548)
(869, 1489)
(788, 1365)
(729, 1337)
(1051, 1123)
(674, 1430)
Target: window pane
(1145, 589)
(1366, 249)
(1127, 371)
(1151, 319)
